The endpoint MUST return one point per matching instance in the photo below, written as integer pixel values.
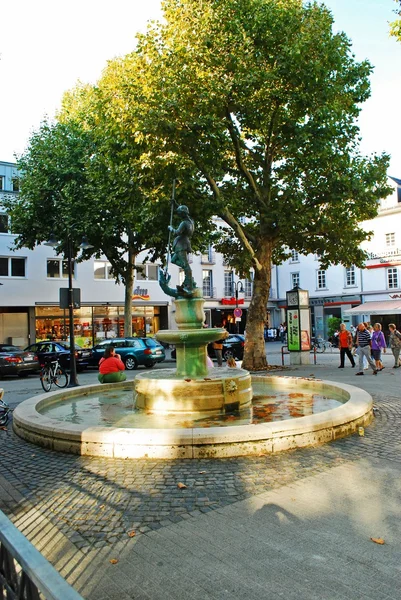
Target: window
(57, 268)
(209, 256)
(12, 267)
(1, 182)
(392, 278)
(207, 283)
(147, 272)
(390, 239)
(15, 184)
(102, 269)
(228, 283)
(350, 277)
(4, 223)
(294, 256)
(321, 280)
(295, 279)
(248, 285)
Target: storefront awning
(383, 307)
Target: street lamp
(53, 243)
(238, 287)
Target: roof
(398, 181)
(383, 307)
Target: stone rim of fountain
(213, 442)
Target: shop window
(102, 270)
(57, 268)
(12, 267)
(350, 277)
(4, 223)
(392, 278)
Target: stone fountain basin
(214, 442)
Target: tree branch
(226, 215)
(237, 149)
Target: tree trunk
(255, 351)
(129, 286)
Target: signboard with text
(293, 330)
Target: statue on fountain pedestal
(181, 250)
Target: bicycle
(4, 410)
(52, 373)
(319, 344)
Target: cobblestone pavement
(92, 503)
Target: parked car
(233, 347)
(134, 351)
(50, 350)
(14, 361)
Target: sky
(47, 46)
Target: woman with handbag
(395, 344)
(378, 344)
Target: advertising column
(298, 326)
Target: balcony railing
(208, 292)
(24, 572)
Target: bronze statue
(182, 247)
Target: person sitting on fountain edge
(111, 367)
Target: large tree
(263, 98)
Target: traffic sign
(237, 312)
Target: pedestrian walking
(218, 351)
(364, 343)
(395, 344)
(345, 343)
(378, 344)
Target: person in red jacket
(345, 343)
(111, 367)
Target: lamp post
(238, 287)
(53, 243)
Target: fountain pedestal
(192, 387)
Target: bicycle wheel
(45, 379)
(61, 378)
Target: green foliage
(333, 325)
(395, 26)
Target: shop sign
(394, 296)
(293, 333)
(231, 301)
(140, 294)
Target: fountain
(192, 390)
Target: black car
(233, 346)
(134, 351)
(50, 350)
(14, 361)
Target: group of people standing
(368, 344)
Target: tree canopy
(263, 98)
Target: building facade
(30, 283)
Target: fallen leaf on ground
(113, 561)
(101, 506)
(187, 379)
(3, 428)
(202, 472)
(378, 541)
(131, 533)
(182, 486)
(262, 454)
